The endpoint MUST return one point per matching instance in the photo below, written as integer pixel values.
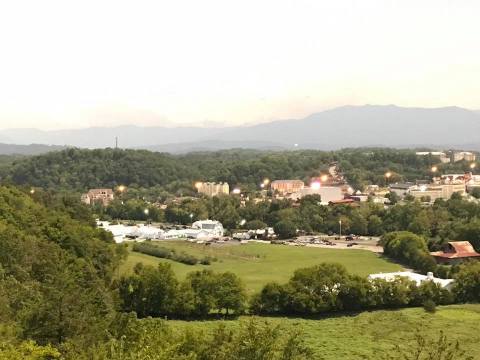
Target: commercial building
(287, 186)
(212, 188)
(463, 155)
(204, 229)
(327, 193)
(437, 191)
(455, 252)
(402, 189)
(103, 196)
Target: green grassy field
(370, 335)
(258, 264)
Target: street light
(473, 166)
(340, 226)
(434, 169)
(323, 178)
(146, 212)
(236, 191)
(121, 188)
(388, 175)
(32, 191)
(262, 185)
(191, 217)
(266, 181)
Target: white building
(212, 227)
(418, 278)
(205, 229)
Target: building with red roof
(455, 252)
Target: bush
(164, 253)
(430, 306)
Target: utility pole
(116, 142)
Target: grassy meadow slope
(370, 335)
(258, 264)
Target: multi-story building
(287, 186)
(212, 188)
(463, 155)
(437, 191)
(444, 158)
(103, 196)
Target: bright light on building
(198, 185)
(315, 185)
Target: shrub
(429, 306)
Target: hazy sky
(79, 63)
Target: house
(287, 186)
(103, 196)
(455, 252)
(418, 278)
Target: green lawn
(370, 335)
(258, 264)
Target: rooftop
(457, 250)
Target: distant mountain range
(32, 149)
(347, 126)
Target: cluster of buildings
(441, 187)
(200, 230)
(450, 156)
(331, 187)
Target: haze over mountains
(347, 126)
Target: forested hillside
(55, 272)
(78, 169)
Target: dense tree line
(329, 288)
(155, 175)
(409, 249)
(157, 292)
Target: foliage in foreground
(428, 349)
(253, 339)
